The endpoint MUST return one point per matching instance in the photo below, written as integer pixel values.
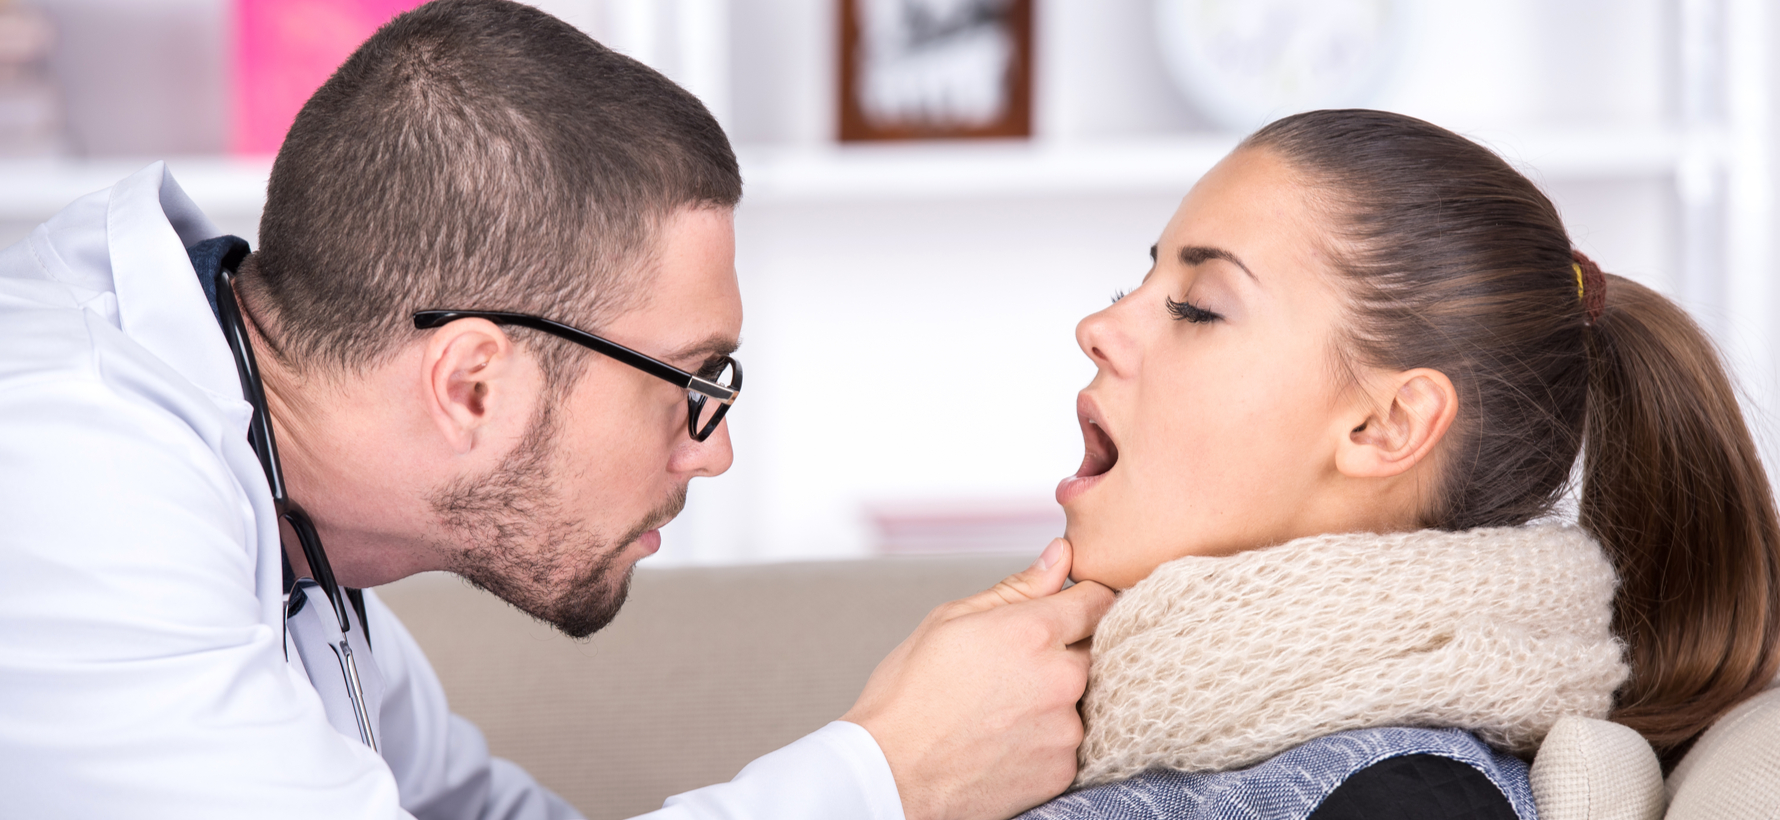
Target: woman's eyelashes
(1183, 311)
(1189, 312)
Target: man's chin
(590, 610)
(578, 608)
(593, 602)
(554, 580)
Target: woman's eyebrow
(1198, 254)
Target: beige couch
(709, 668)
(704, 670)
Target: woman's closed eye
(1188, 312)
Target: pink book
(284, 50)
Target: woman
(1323, 443)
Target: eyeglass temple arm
(427, 319)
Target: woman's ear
(1412, 412)
(470, 368)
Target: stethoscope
(259, 434)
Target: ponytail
(1453, 260)
(1675, 490)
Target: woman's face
(1213, 422)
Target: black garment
(210, 258)
(1416, 787)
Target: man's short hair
(474, 154)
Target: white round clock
(1246, 62)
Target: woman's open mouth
(1099, 456)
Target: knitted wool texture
(1212, 664)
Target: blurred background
(937, 190)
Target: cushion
(1596, 770)
(1733, 772)
(705, 669)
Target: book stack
(30, 104)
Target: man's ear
(1412, 411)
(471, 370)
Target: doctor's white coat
(143, 669)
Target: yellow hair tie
(1578, 268)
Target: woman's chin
(1092, 561)
(1072, 532)
(1121, 557)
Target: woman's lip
(1102, 463)
(1093, 423)
(1071, 488)
(1087, 410)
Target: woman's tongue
(1093, 464)
(1100, 457)
(1101, 453)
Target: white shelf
(964, 170)
(1014, 169)
(33, 190)
(1602, 153)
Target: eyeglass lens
(703, 414)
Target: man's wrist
(860, 749)
(914, 795)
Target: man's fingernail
(1052, 552)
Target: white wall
(959, 311)
(910, 341)
(910, 351)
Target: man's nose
(703, 458)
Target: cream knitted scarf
(1213, 664)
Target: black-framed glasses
(714, 392)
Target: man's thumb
(1046, 576)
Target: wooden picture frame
(907, 74)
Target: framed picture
(1245, 64)
(935, 69)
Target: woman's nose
(1105, 341)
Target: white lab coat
(143, 672)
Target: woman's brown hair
(1455, 261)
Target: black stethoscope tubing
(259, 435)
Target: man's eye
(711, 369)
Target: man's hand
(976, 710)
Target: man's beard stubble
(511, 537)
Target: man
(167, 650)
